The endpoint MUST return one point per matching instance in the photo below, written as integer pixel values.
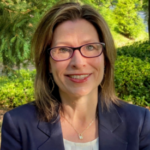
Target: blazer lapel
(53, 131)
(109, 121)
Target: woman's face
(77, 76)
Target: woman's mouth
(79, 78)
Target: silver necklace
(80, 135)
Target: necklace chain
(79, 134)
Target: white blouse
(93, 145)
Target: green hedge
(132, 80)
(16, 88)
(138, 49)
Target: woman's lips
(79, 78)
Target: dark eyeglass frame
(77, 48)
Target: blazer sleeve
(145, 132)
(10, 134)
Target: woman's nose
(77, 60)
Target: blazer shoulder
(133, 113)
(131, 110)
(27, 111)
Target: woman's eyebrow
(63, 43)
(66, 43)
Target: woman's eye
(90, 47)
(63, 49)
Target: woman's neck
(80, 110)
(78, 117)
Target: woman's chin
(79, 93)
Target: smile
(78, 76)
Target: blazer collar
(109, 119)
(53, 131)
(108, 122)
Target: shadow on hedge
(139, 50)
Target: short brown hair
(47, 100)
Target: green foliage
(14, 40)
(103, 7)
(85, 1)
(132, 72)
(145, 9)
(17, 88)
(128, 21)
(106, 3)
(109, 16)
(18, 22)
(132, 80)
(139, 50)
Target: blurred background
(128, 22)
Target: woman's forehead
(78, 31)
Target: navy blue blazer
(122, 128)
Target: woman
(76, 106)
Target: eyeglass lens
(88, 50)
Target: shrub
(132, 80)
(138, 49)
(17, 88)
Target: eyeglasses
(89, 50)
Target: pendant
(80, 136)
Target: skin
(79, 99)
